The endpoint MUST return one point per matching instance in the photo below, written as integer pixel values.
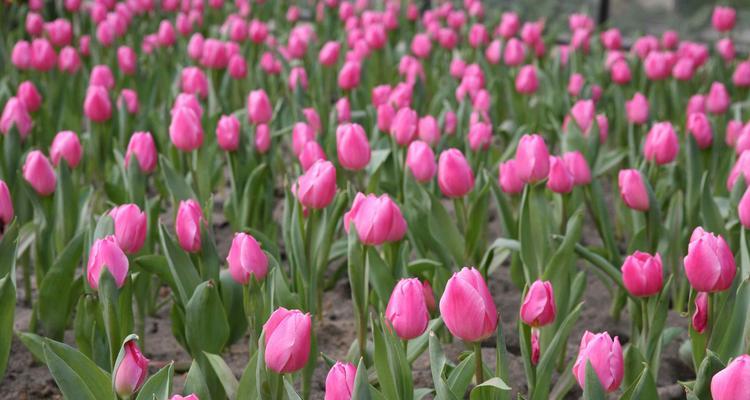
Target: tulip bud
(724, 18)
(743, 209)
(620, 72)
(560, 180)
(38, 172)
(700, 127)
(656, 66)
(101, 75)
(535, 347)
(428, 130)
(467, 307)
(526, 80)
(697, 103)
(406, 312)
(246, 259)
(97, 106)
(709, 264)
(404, 126)
(642, 274)
(429, 295)
(15, 115)
(310, 153)
(329, 53)
(317, 186)
(583, 112)
(127, 60)
(228, 133)
(343, 110)
(352, 146)
(385, 117)
(21, 55)
(142, 146)
(455, 177)
(575, 84)
(68, 61)
(538, 308)
(191, 396)
(349, 75)
(340, 381)
(532, 159)
(287, 337)
(733, 382)
(259, 109)
(43, 57)
(700, 316)
(480, 136)
(376, 219)
(734, 131)
(508, 178)
(185, 130)
(297, 79)
(188, 225)
(717, 101)
(578, 167)
(128, 100)
(193, 81)
(6, 206)
(605, 357)
(662, 143)
(131, 370)
(633, 190)
(105, 253)
(195, 46)
(30, 97)
(741, 75)
(684, 69)
(66, 145)
(493, 52)
(637, 109)
(130, 227)
(421, 45)
(262, 138)
(420, 159)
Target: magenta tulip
(420, 159)
(467, 307)
(246, 259)
(403, 127)
(127, 60)
(316, 188)
(717, 100)
(105, 253)
(259, 109)
(526, 80)
(352, 146)
(142, 147)
(700, 128)
(642, 274)
(723, 20)
(532, 158)
(188, 225)
(560, 180)
(377, 219)
(637, 109)
(228, 133)
(262, 138)
(732, 382)
(6, 206)
(709, 263)
(287, 340)
(633, 189)
(97, 105)
(455, 177)
(406, 312)
(185, 129)
(508, 178)
(700, 316)
(578, 167)
(131, 370)
(662, 143)
(38, 172)
(605, 356)
(16, 115)
(538, 308)
(340, 381)
(130, 227)
(29, 95)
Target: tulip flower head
(246, 259)
(340, 381)
(733, 382)
(633, 189)
(455, 177)
(407, 312)
(467, 307)
(287, 340)
(188, 225)
(709, 263)
(131, 370)
(605, 356)
(377, 219)
(538, 308)
(105, 253)
(642, 274)
(130, 227)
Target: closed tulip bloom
(724, 18)
(237, 67)
(420, 159)
(421, 45)
(605, 356)
(404, 126)
(637, 109)
(128, 100)
(532, 158)
(311, 152)
(743, 209)
(287, 340)
(583, 112)
(538, 308)
(514, 53)
(193, 80)
(656, 66)
(642, 274)
(15, 115)
(195, 46)
(732, 382)
(407, 312)
(560, 180)
(662, 143)
(455, 177)
(352, 146)
(101, 75)
(130, 227)
(259, 109)
(188, 225)
(329, 53)
(301, 134)
(127, 60)
(343, 110)
(68, 61)
(510, 22)
(313, 119)
(684, 69)
(185, 130)
(166, 35)
(709, 264)
(105, 253)
(21, 55)
(131, 371)
(467, 307)
(633, 190)
(620, 72)
(6, 206)
(578, 167)
(717, 101)
(611, 39)
(526, 80)
(741, 75)
(575, 84)
(480, 136)
(535, 347)
(385, 114)
(257, 31)
(349, 75)
(246, 259)
(43, 57)
(262, 138)
(34, 24)
(97, 106)
(340, 381)
(700, 316)
(66, 146)
(297, 79)
(450, 122)
(508, 178)
(734, 131)
(38, 172)
(697, 103)
(29, 95)
(316, 188)
(494, 52)
(142, 147)
(191, 396)
(725, 48)
(429, 295)
(377, 219)
(700, 127)
(428, 130)
(228, 132)
(478, 35)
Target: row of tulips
(388, 144)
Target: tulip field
(370, 200)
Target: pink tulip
(725, 48)
(526, 80)
(193, 81)
(428, 130)
(257, 31)
(709, 264)
(642, 274)
(262, 138)
(329, 53)
(583, 112)
(637, 109)
(6, 205)
(493, 52)
(620, 72)
(514, 53)
(311, 152)
(560, 179)
(343, 110)
(228, 133)
(34, 24)
(743, 209)
(191, 396)
(238, 67)
(455, 177)
(449, 125)
(377, 219)
(128, 100)
(66, 146)
(605, 357)
(352, 146)
(611, 39)
(662, 143)
(131, 370)
(724, 18)
(43, 57)
(684, 69)
(195, 46)
(538, 308)
(734, 131)
(127, 60)
(21, 55)
(316, 188)
(101, 75)
(700, 127)
(166, 35)
(287, 340)
(142, 146)
(741, 167)
(578, 167)
(130, 227)
(406, 312)
(29, 95)
(421, 45)
(340, 381)
(301, 134)
(467, 307)
(732, 382)
(697, 103)
(246, 259)
(15, 115)
(535, 347)
(480, 136)
(420, 159)
(656, 66)
(105, 253)
(297, 79)
(510, 22)
(532, 159)
(349, 75)
(97, 106)
(403, 127)
(575, 84)
(259, 110)
(185, 130)
(68, 61)
(741, 75)
(38, 172)
(188, 225)
(429, 295)
(700, 316)
(717, 101)
(508, 178)
(633, 189)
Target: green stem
(479, 366)
(644, 325)
(249, 306)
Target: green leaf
(77, 376)
(247, 385)
(8, 250)
(643, 388)
(225, 375)
(383, 366)
(206, 325)
(708, 368)
(445, 231)
(55, 292)
(593, 389)
(418, 345)
(361, 387)
(178, 188)
(159, 385)
(712, 219)
(437, 364)
(291, 394)
(157, 265)
(533, 231)
(460, 378)
(477, 219)
(551, 354)
(381, 274)
(7, 310)
(493, 384)
(183, 271)
(196, 382)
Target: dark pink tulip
(633, 189)
(478, 35)
(101, 75)
(185, 130)
(605, 356)
(493, 53)
(420, 159)
(575, 84)
(297, 79)
(538, 308)
(620, 72)
(662, 143)
(583, 114)
(193, 80)
(700, 316)
(421, 45)
(259, 109)
(642, 274)
(105, 253)
(66, 146)
(257, 31)
(656, 66)
(376, 36)
(130, 227)
(352, 146)
(406, 312)
(214, 54)
(457, 68)
(743, 209)
(105, 33)
(38, 172)
(404, 126)
(447, 38)
(717, 101)
(316, 188)
(6, 205)
(127, 60)
(700, 127)
(532, 159)
(43, 57)
(510, 22)
(380, 95)
(195, 46)
(741, 75)
(644, 45)
(725, 48)
(15, 114)
(131, 371)
(697, 103)
(189, 101)
(578, 167)
(237, 67)
(670, 39)
(429, 295)
(166, 35)
(340, 381)
(343, 110)
(733, 382)
(560, 180)
(21, 55)
(724, 18)
(514, 53)
(59, 32)
(188, 225)
(531, 32)
(349, 75)
(637, 109)
(611, 39)
(228, 132)
(480, 136)
(709, 264)
(246, 259)
(734, 130)
(428, 130)
(467, 307)
(128, 100)
(287, 340)
(142, 147)
(377, 219)
(684, 69)
(262, 138)
(72, 5)
(508, 178)
(97, 106)
(34, 24)
(526, 80)
(68, 61)
(310, 153)
(29, 95)
(455, 177)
